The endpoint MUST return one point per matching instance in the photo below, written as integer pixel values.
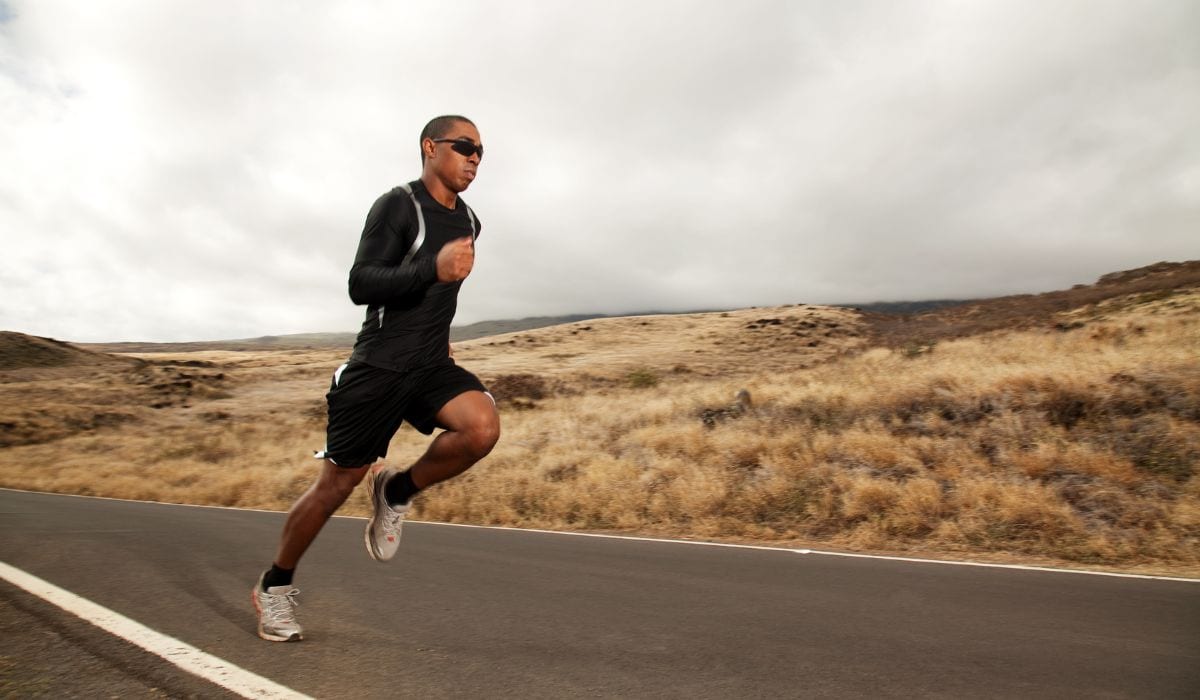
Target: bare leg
(311, 511)
(472, 428)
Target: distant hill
(484, 329)
(481, 329)
(333, 341)
(901, 308)
(298, 341)
(20, 351)
(893, 322)
(1029, 310)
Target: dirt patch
(507, 387)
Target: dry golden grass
(1075, 446)
(784, 337)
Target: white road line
(1019, 567)
(156, 503)
(851, 555)
(185, 656)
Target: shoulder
(395, 203)
(400, 194)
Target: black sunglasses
(462, 147)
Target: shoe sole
(294, 637)
(367, 539)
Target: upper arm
(387, 233)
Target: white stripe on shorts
(337, 378)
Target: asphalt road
(468, 612)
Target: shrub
(642, 378)
(917, 348)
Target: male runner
(417, 247)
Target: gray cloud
(176, 171)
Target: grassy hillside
(1080, 445)
(1069, 435)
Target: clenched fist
(455, 259)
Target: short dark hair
(438, 127)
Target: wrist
(429, 269)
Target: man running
(417, 247)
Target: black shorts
(368, 404)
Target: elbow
(357, 293)
(363, 290)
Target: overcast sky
(191, 170)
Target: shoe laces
(281, 607)
(392, 516)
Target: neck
(437, 189)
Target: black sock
(276, 576)
(400, 488)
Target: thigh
(469, 410)
(437, 389)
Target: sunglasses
(462, 147)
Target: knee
(482, 434)
(338, 483)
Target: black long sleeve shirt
(407, 324)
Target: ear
(429, 148)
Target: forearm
(376, 283)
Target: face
(454, 169)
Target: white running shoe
(383, 529)
(277, 612)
